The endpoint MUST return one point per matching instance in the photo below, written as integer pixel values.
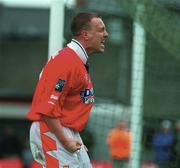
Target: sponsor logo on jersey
(87, 96)
(59, 86)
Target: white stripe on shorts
(79, 159)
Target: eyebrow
(102, 28)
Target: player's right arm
(55, 126)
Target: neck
(84, 44)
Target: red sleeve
(52, 105)
(51, 91)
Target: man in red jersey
(64, 98)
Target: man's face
(97, 35)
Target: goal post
(56, 26)
(137, 87)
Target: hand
(72, 145)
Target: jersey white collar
(79, 50)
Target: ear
(84, 34)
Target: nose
(106, 34)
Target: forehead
(97, 22)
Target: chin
(101, 50)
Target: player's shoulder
(66, 56)
(66, 60)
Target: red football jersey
(64, 91)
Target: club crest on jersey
(59, 86)
(87, 96)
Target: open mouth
(103, 42)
